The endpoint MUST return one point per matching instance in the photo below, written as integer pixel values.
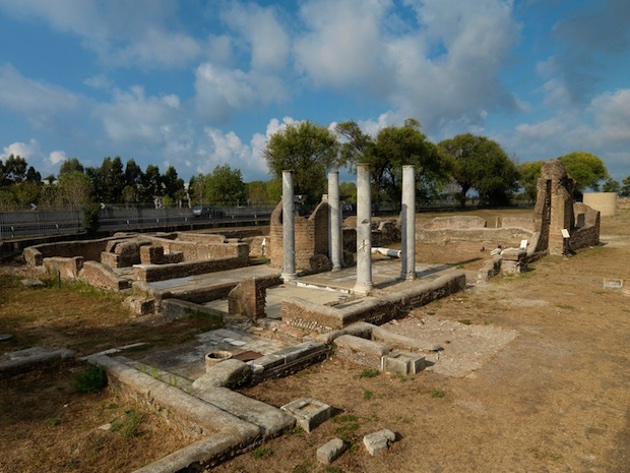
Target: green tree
(528, 175)
(586, 169)
(310, 151)
(625, 188)
(348, 192)
(386, 154)
(71, 165)
(257, 193)
(151, 184)
(15, 169)
(611, 186)
(173, 186)
(479, 163)
(75, 189)
(223, 185)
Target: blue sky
(197, 84)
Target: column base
(286, 277)
(362, 289)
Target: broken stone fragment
(330, 451)
(378, 442)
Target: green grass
(262, 452)
(369, 373)
(129, 424)
(438, 393)
(90, 380)
(367, 394)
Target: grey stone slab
(378, 442)
(301, 350)
(403, 363)
(309, 413)
(331, 450)
(271, 420)
(362, 345)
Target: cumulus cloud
(118, 31)
(227, 148)
(134, 117)
(447, 69)
(220, 91)
(263, 34)
(25, 150)
(344, 43)
(57, 157)
(33, 98)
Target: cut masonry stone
(308, 413)
(331, 450)
(378, 442)
(402, 363)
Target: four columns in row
(363, 227)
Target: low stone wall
(100, 275)
(518, 222)
(161, 272)
(155, 255)
(203, 249)
(376, 310)
(68, 268)
(455, 222)
(488, 237)
(90, 250)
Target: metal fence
(16, 225)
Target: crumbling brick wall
(248, 298)
(311, 237)
(555, 210)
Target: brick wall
(311, 237)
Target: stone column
(364, 231)
(334, 221)
(288, 227)
(408, 233)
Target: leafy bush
(90, 380)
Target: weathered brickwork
(311, 237)
(248, 297)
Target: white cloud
(133, 117)
(612, 116)
(158, 48)
(263, 33)
(118, 31)
(26, 150)
(220, 91)
(445, 70)
(32, 98)
(57, 157)
(344, 45)
(227, 148)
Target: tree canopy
(479, 163)
(529, 173)
(310, 151)
(586, 169)
(223, 185)
(388, 152)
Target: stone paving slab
(189, 361)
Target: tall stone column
(334, 221)
(288, 227)
(364, 231)
(408, 233)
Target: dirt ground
(533, 378)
